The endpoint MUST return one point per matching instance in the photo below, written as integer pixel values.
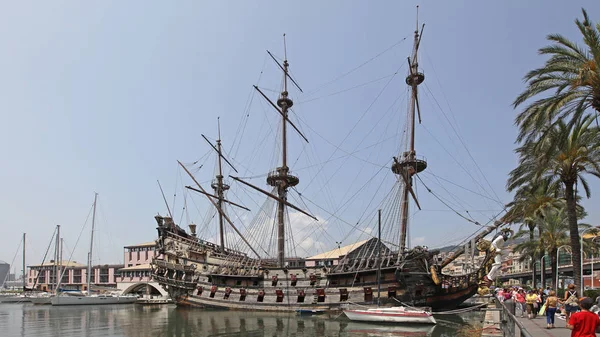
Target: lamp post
(581, 257)
(557, 262)
(532, 273)
(593, 241)
(543, 271)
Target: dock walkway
(537, 327)
(511, 325)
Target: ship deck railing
(176, 283)
(205, 244)
(169, 265)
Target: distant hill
(510, 243)
(447, 249)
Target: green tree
(564, 156)
(568, 83)
(527, 208)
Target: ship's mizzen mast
(407, 166)
(220, 187)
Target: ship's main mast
(281, 177)
(409, 165)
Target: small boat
(153, 301)
(391, 315)
(306, 312)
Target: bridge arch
(145, 288)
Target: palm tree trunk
(553, 261)
(573, 231)
(533, 256)
(542, 263)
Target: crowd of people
(581, 313)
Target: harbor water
(168, 320)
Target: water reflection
(134, 320)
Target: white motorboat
(391, 315)
(92, 300)
(15, 299)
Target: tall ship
(197, 272)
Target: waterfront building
(74, 276)
(136, 275)
(4, 273)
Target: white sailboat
(90, 299)
(45, 298)
(21, 297)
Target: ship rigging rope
(339, 207)
(387, 111)
(12, 262)
(358, 121)
(445, 203)
(346, 89)
(457, 161)
(461, 140)
(37, 277)
(354, 226)
(239, 135)
(457, 185)
(310, 92)
(79, 236)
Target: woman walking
(541, 300)
(551, 303)
(531, 302)
(571, 301)
(520, 299)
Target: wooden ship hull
(196, 274)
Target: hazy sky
(105, 96)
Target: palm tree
(569, 81)
(563, 156)
(526, 208)
(555, 228)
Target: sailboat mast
(280, 178)
(89, 269)
(56, 258)
(408, 165)
(24, 270)
(61, 268)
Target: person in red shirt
(584, 323)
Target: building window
(104, 274)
